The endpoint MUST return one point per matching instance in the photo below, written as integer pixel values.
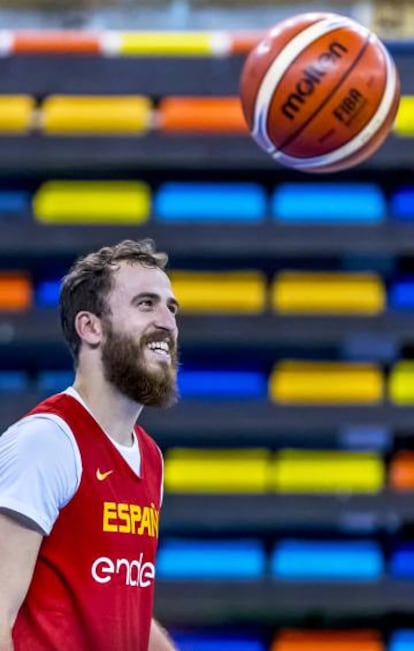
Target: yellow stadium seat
(228, 292)
(16, 113)
(326, 382)
(217, 471)
(299, 471)
(336, 293)
(401, 383)
(170, 43)
(96, 114)
(92, 202)
(404, 124)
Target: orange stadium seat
(243, 42)
(55, 42)
(201, 114)
(328, 641)
(15, 291)
(402, 471)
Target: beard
(124, 366)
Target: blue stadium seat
(313, 560)
(402, 561)
(362, 203)
(209, 559)
(211, 642)
(402, 641)
(215, 202)
(222, 384)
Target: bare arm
(159, 639)
(19, 547)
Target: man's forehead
(138, 277)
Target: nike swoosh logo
(103, 475)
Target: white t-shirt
(41, 467)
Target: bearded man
(80, 481)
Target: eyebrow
(155, 297)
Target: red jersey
(93, 583)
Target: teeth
(159, 345)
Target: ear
(89, 328)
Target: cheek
(132, 322)
(174, 334)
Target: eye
(173, 308)
(146, 303)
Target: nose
(166, 319)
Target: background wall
(289, 466)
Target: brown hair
(90, 279)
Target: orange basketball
(320, 92)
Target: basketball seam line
(271, 61)
(298, 131)
(268, 84)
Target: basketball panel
(310, 80)
(369, 148)
(347, 111)
(262, 56)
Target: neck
(115, 413)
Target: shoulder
(40, 468)
(42, 431)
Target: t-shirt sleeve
(40, 469)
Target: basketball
(319, 92)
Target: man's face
(139, 351)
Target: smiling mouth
(161, 349)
